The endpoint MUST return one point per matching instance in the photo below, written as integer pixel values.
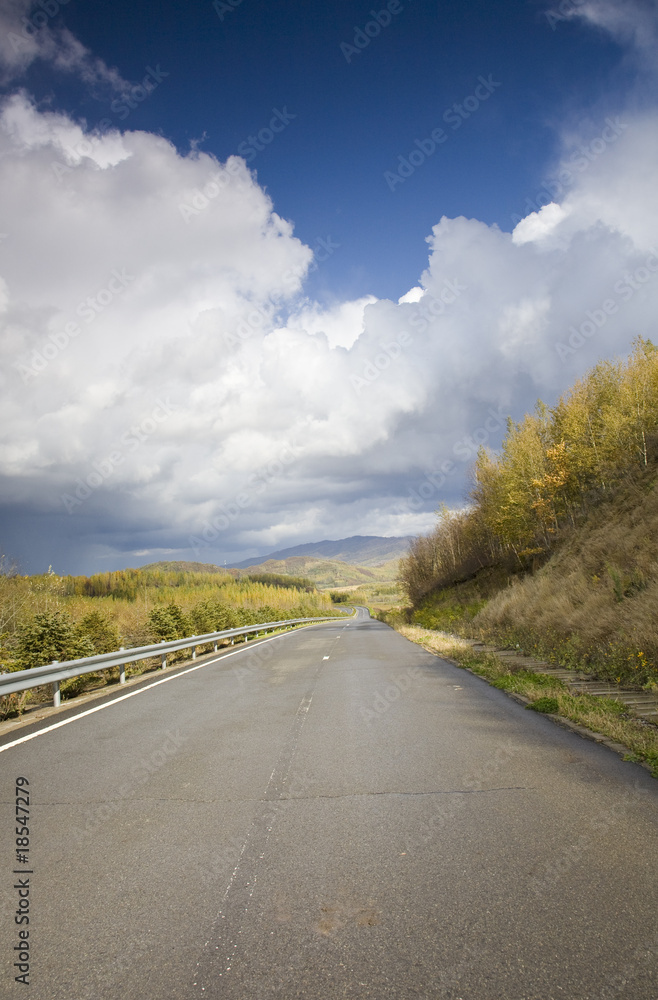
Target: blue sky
(225, 203)
(354, 119)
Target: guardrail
(55, 672)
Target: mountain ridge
(357, 550)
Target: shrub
(169, 623)
(101, 631)
(49, 636)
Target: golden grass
(602, 715)
(595, 602)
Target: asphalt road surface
(331, 813)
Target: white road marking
(142, 690)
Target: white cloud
(161, 364)
(342, 325)
(618, 189)
(29, 33)
(633, 23)
(274, 428)
(537, 226)
(413, 295)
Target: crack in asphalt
(298, 798)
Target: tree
(101, 631)
(50, 636)
(169, 623)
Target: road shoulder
(602, 719)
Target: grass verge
(602, 715)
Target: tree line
(47, 617)
(554, 466)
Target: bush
(101, 631)
(169, 623)
(49, 636)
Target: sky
(272, 272)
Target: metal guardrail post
(56, 672)
(163, 660)
(57, 698)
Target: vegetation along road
(330, 813)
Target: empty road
(333, 813)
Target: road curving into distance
(330, 813)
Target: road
(331, 813)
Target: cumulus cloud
(167, 388)
(342, 325)
(539, 226)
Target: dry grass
(602, 715)
(596, 601)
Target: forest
(49, 617)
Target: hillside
(558, 552)
(324, 573)
(593, 603)
(329, 573)
(359, 550)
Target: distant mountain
(326, 574)
(359, 550)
